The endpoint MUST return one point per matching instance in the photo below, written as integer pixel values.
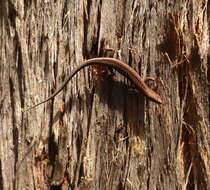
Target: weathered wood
(98, 133)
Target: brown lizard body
(121, 67)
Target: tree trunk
(98, 133)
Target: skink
(118, 65)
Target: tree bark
(98, 133)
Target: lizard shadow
(117, 96)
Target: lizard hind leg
(151, 79)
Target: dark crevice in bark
(89, 104)
(52, 146)
(99, 27)
(44, 55)
(14, 129)
(21, 78)
(12, 14)
(56, 63)
(120, 20)
(87, 23)
(64, 13)
(1, 176)
(208, 74)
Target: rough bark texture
(98, 133)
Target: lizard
(118, 65)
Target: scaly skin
(121, 67)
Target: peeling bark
(98, 133)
